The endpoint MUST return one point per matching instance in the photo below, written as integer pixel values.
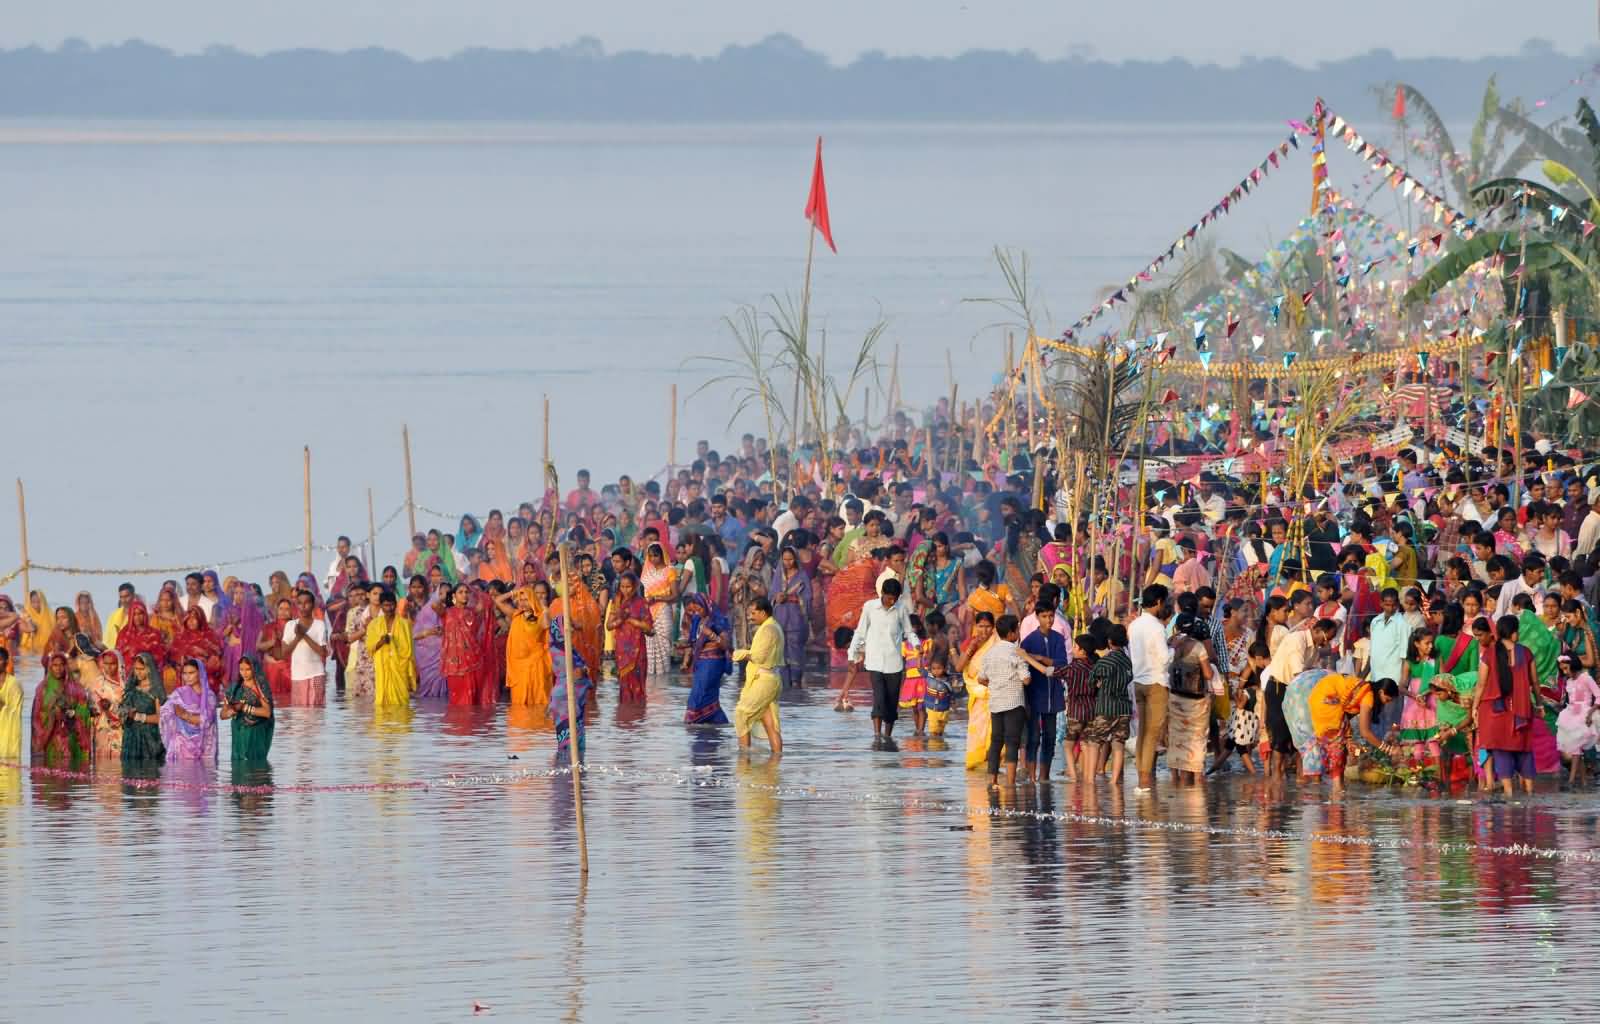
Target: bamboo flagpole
(307, 474)
(817, 222)
(411, 498)
(672, 428)
(372, 539)
(573, 723)
(545, 464)
(22, 526)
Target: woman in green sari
(1456, 652)
(60, 716)
(249, 704)
(141, 715)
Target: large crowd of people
(1424, 618)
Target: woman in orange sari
(495, 564)
(588, 634)
(528, 669)
(167, 617)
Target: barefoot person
(877, 645)
(305, 643)
(758, 701)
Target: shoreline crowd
(1427, 619)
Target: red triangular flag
(817, 201)
(1576, 398)
(1399, 102)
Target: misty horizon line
(593, 47)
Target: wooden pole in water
(672, 427)
(411, 498)
(22, 525)
(573, 724)
(372, 539)
(307, 474)
(546, 461)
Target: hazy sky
(1208, 30)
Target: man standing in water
(885, 625)
(305, 639)
(1148, 650)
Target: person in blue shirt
(1044, 694)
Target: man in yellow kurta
(394, 665)
(758, 701)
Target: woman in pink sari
(630, 622)
(239, 629)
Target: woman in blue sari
(791, 599)
(709, 639)
(468, 536)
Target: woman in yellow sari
(970, 664)
(990, 597)
(394, 665)
(529, 673)
(37, 609)
(166, 616)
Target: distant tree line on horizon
(775, 79)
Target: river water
(184, 306)
(836, 883)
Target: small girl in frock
(1244, 722)
(939, 690)
(1578, 725)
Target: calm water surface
(837, 884)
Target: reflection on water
(835, 882)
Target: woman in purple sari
(239, 627)
(791, 606)
(189, 717)
(427, 640)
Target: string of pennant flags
(1322, 121)
(1292, 365)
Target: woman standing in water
(629, 620)
(528, 671)
(189, 717)
(660, 582)
(427, 640)
(249, 705)
(707, 658)
(10, 712)
(141, 716)
(105, 683)
(60, 717)
(791, 602)
(1502, 706)
(359, 678)
(394, 667)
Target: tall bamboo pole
(22, 525)
(307, 455)
(411, 498)
(545, 464)
(573, 724)
(672, 426)
(372, 539)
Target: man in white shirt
(894, 568)
(885, 625)
(1004, 670)
(1589, 530)
(1150, 654)
(789, 519)
(1531, 582)
(306, 639)
(191, 595)
(343, 549)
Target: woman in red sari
(630, 621)
(196, 641)
(139, 637)
(462, 652)
(491, 647)
(274, 660)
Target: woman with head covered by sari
(468, 536)
(104, 680)
(495, 565)
(60, 719)
(87, 615)
(249, 707)
(139, 637)
(166, 616)
(427, 642)
(189, 717)
(239, 631)
(140, 711)
(588, 637)
(195, 641)
(528, 671)
(710, 638)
